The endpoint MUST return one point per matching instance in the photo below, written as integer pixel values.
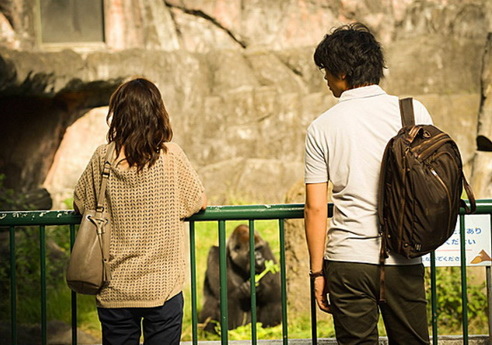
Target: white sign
(477, 244)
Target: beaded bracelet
(315, 275)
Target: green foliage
(7, 196)
(449, 302)
(299, 328)
(68, 203)
(12, 200)
(270, 266)
(27, 264)
(244, 332)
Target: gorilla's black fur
(268, 296)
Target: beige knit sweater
(147, 252)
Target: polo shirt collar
(362, 92)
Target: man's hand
(320, 293)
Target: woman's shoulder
(174, 149)
(101, 151)
(176, 153)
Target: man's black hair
(351, 50)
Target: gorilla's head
(238, 250)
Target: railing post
(489, 300)
(194, 321)
(314, 328)
(224, 319)
(433, 298)
(464, 295)
(283, 277)
(42, 260)
(252, 280)
(73, 295)
(13, 287)
(488, 272)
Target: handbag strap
(108, 160)
(406, 112)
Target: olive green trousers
(354, 291)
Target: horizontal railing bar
(25, 218)
(212, 213)
(251, 212)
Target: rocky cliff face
(239, 82)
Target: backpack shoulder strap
(406, 112)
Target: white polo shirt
(345, 145)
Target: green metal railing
(249, 213)
(220, 214)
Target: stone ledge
(443, 340)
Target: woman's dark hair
(353, 51)
(139, 122)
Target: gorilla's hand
(244, 290)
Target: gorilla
(268, 295)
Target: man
(345, 146)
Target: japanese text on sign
(477, 244)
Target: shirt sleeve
(422, 116)
(315, 158)
(190, 187)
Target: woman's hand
(204, 202)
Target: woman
(152, 187)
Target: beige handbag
(88, 268)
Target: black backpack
(420, 188)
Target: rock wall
(239, 82)
(482, 163)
